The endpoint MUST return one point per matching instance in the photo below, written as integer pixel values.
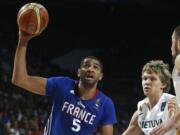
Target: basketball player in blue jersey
(152, 111)
(79, 107)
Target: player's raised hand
(24, 37)
(172, 107)
(162, 129)
(169, 124)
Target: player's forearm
(20, 76)
(20, 71)
(131, 130)
(176, 120)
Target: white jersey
(176, 83)
(149, 119)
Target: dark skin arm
(106, 130)
(20, 77)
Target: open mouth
(146, 88)
(89, 76)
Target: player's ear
(163, 86)
(78, 72)
(101, 76)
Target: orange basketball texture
(32, 18)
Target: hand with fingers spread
(163, 128)
(25, 37)
(172, 107)
(174, 122)
(169, 124)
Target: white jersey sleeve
(176, 83)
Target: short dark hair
(92, 57)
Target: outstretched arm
(133, 128)
(20, 76)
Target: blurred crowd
(21, 113)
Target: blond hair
(161, 69)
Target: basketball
(32, 18)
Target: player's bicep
(35, 84)
(106, 130)
(109, 114)
(133, 128)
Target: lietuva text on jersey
(78, 112)
(150, 123)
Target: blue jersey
(71, 115)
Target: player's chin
(146, 93)
(90, 81)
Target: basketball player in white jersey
(174, 122)
(152, 111)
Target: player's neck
(153, 100)
(87, 93)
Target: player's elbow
(15, 81)
(18, 81)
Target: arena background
(124, 34)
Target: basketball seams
(32, 18)
(37, 12)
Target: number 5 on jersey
(76, 125)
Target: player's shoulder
(142, 104)
(104, 97)
(167, 96)
(143, 101)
